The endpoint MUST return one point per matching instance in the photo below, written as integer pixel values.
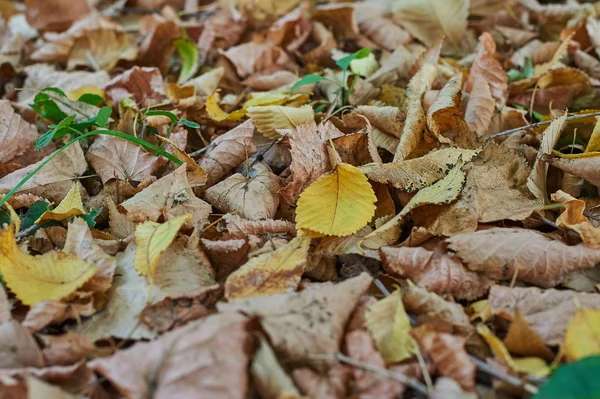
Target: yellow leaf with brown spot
(33, 279)
(270, 273)
(390, 327)
(582, 338)
(338, 203)
(152, 239)
(70, 206)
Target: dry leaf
(481, 106)
(581, 337)
(582, 165)
(351, 195)
(268, 119)
(16, 135)
(444, 112)
(270, 273)
(572, 218)
(522, 340)
(33, 279)
(490, 69)
(70, 206)
(143, 85)
(271, 380)
(333, 385)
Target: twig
(537, 124)
(411, 382)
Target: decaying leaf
(581, 337)
(268, 119)
(16, 134)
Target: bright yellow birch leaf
(152, 239)
(15, 221)
(33, 279)
(530, 365)
(389, 326)
(217, 114)
(338, 203)
(70, 206)
(582, 338)
(270, 273)
(271, 117)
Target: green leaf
(188, 123)
(577, 380)
(344, 63)
(307, 80)
(92, 99)
(4, 217)
(168, 114)
(90, 217)
(34, 212)
(103, 116)
(188, 52)
(61, 129)
(514, 74)
(527, 69)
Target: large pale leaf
(428, 20)
(584, 165)
(271, 117)
(51, 276)
(16, 135)
(270, 273)
(350, 199)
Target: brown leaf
(573, 218)
(251, 57)
(226, 255)
(522, 340)
(47, 313)
(156, 47)
(54, 15)
(444, 112)
(54, 180)
(481, 106)
(503, 252)
(437, 271)
(228, 151)
(309, 157)
(332, 385)
(169, 197)
(238, 227)
(585, 167)
(66, 349)
(487, 67)
(16, 135)
(120, 225)
(387, 119)
(377, 25)
(144, 85)
(254, 196)
(448, 354)
(307, 322)
(18, 347)
(270, 378)
(208, 358)
(547, 312)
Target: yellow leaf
(14, 218)
(195, 174)
(74, 95)
(594, 142)
(270, 273)
(271, 117)
(530, 365)
(33, 279)
(70, 206)
(338, 203)
(480, 310)
(523, 340)
(582, 338)
(152, 239)
(389, 326)
(217, 114)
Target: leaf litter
(299, 199)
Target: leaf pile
(299, 199)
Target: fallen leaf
(70, 206)
(18, 347)
(352, 197)
(582, 165)
(522, 340)
(271, 273)
(431, 19)
(573, 218)
(387, 322)
(271, 380)
(105, 46)
(487, 67)
(152, 239)
(481, 106)
(333, 385)
(16, 134)
(522, 254)
(54, 15)
(143, 85)
(120, 225)
(208, 357)
(447, 388)
(253, 195)
(581, 337)
(437, 271)
(268, 119)
(32, 279)
(307, 322)
(443, 113)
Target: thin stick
(411, 382)
(538, 124)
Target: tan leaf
(18, 347)
(430, 56)
(270, 273)
(448, 354)
(16, 135)
(254, 196)
(106, 46)
(378, 26)
(54, 15)
(332, 385)
(228, 151)
(238, 227)
(541, 69)
(522, 340)
(119, 225)
(415, 115)
(333, 245)
(437, 271)
(37, 388)
(54, 180)
(573, 218)
(48, 313)
(270, 118)
(66, 349)
(251, 57)
(79, 242)
(547, 312)
(226, 255)
(170, 196)
(308, 322)
(444, 111)
(431, 19)
(309, 157)
(415, 174)
(490, 69)
(583, 165)
(144, 85)
(537, 179)
(208, 358)
(113, 157)
(447, 388)
(481, 106)
(502, 253)
(271, 380)
(387, 119)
